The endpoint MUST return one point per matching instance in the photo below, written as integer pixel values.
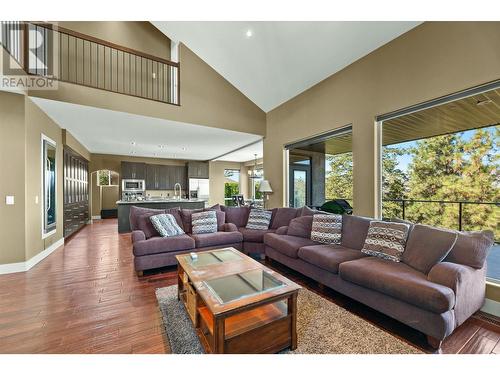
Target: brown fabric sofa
(434, 302)
(152, 251)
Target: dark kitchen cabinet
(134, 171)
(157, 177)
(181, 176)
(198, 169)
(75, 191)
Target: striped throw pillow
(204, 222)
(259, 219)
(386, 240)
(327, 229)
(166, 225)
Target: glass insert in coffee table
(212, 257)
(241, 285)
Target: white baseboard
(96, 217)
(27, 265)
(491, 307)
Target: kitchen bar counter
(124, 208)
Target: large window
(440, 167)
(231, 185)
(49, 193)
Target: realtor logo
(27, 60)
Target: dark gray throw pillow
(471, 248)
(427, 246)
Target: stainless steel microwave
(132, 186)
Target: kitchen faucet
(175, 191)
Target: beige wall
(22, 124)
(69, 140)
(139, 35)
(109, 197)
(38, 123)
(432, 60)
(12, 241)
(217, 180)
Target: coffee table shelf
(246, 321)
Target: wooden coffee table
(236, 304)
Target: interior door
(300, 185)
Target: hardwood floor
(86, 298)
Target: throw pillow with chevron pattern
(204, 222)
(386, 240)
(327, 229)
(259, 219)
(166, 225)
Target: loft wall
(206, 98)
(432, 60)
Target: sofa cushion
(237, 215)
(471, 248)
(328, 257)
(327, 229)
(306, 211)
(204, 222)
(400, 281)
(300, 227)
(157, 245)
(283, 216)
(285, 244)
(259, 219)
(386, 240)
(354, 231)
(166, 225)
(427, 246)
(144, 224)
(135, 212)
(216, 239)
(186, 218)
(254, 235)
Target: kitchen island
(124, 208)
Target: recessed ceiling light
(132, 143)
(161, 146)
(249, 33)
(184, 149)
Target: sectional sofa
(422, 291)
(152, 251)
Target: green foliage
(443, 168)
(339, 182)
(104, 178)
(230, 189)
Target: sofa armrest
(138, 235)
(282, 230)
(468, 284)
(230, 227)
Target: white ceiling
(281, 59)
(109, 132)
(246, 153)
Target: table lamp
(265, 187)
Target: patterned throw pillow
(166, 225)
(386, 240)
(204, 222)
(327, 229)
(259, 219)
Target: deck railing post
(460, 216)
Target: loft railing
(69, 56)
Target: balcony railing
(51, 51)
(460, 206)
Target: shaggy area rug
(322, 328)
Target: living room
(195, 187)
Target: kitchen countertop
(171, 200)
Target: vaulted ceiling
(271, 62)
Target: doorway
(300, 181)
